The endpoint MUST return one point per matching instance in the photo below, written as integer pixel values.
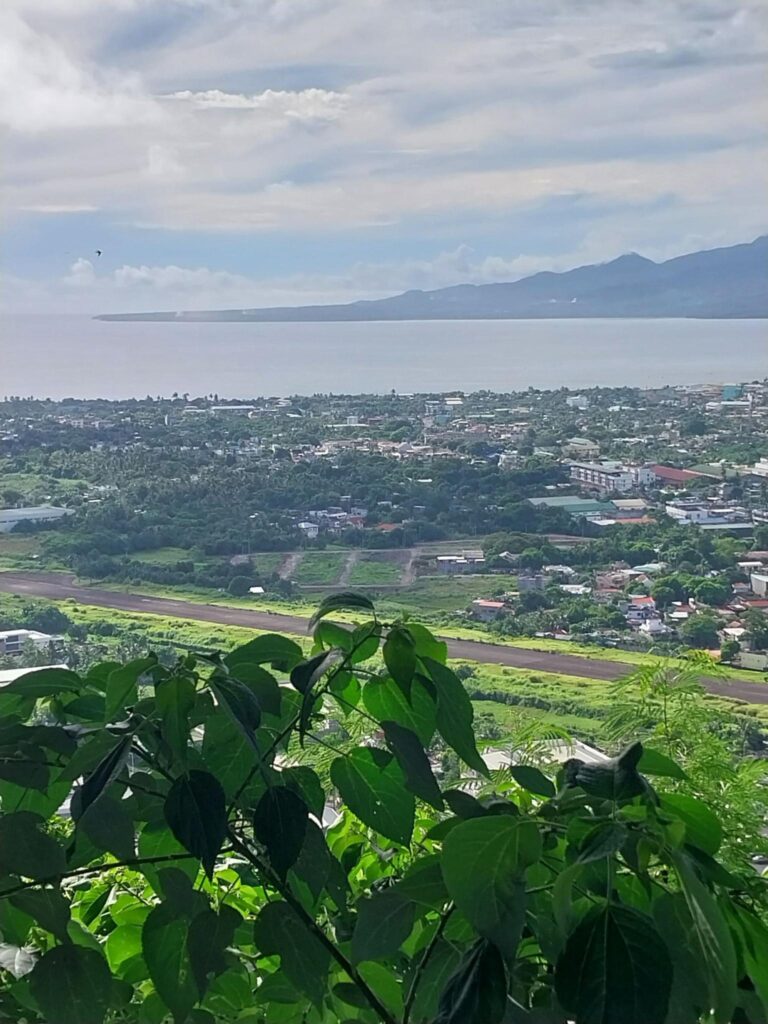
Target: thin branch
(417, 974)
(136, 862)
(309, 922)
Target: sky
(230, 153)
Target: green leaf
(713, 940)
(306, 674)
(532, 779)
(227, 753)
(371, 784)
(209, 935)
(164, 940)
(400, 656)
(122, 688)
(615, 968)
(342, 601)
(413, 759)
(47, 907)
(71, 985)
(427, 645)
(313, 865)
(268, 649)
(109, 827)
(464, 805)
(477, 992)
(653, 762)
(196, 812)
(433, 979)
(365, 642)
(104, 774)
(240, 705)
(455, 715)
(122, 944)
(484, 861)
(87, 756)
(278, 931)
(175, 699)
(26, 850)
(753, 934)
(423, 883)
(25, 767)
(280, 824)
(332, 634)
(262, 685)
(157, 840)
(304, 781)
(384, 922)
(702, 826)
(45, 682)
(385, 700)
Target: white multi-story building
(608, 477)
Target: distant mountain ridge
(729, 282)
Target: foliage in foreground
(198, 880)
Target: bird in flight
(98, 252)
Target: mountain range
(729, 282)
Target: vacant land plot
(19, 550)
(445, 594)
(319, 568)
(372, 571)
(162, 556)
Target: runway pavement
(59, 586)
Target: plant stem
(309, 922)
(417, 974)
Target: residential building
(536, 581)
(580, 402)
(11, 517)
(581, 448)
(310, 530)
(486, 611)
(703, 514)
(608, 477)
(759, 583)
(14, 641)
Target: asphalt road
(60, 587)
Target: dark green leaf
(45, 682)
(313, 866)
(306, 674)
(484, 861)
(400, 656)
(423, 883)
(416, 711)
(278, 931)
(753, 934)
(88, 755)
(109, 827)
(332, 634)
(104, 774)
(427, 645)
(702, 826)
(615, 779)
(365, 642)
(165, 944)
(47, 907)
(241, 706)
(464, 805)
(342, 601)
(532, 779)
(196, 812)
(268, 649)
(209, 935)
(384, 922)
(713, 940)
(653, 762)
(71, 985)
(280, 824)
(262, 685)
(455, 714)
(603, 840)
(157, 840)
(691, 994)
(304, 781)
(26, 850)
(175, 699)
(615, 968)
(25, 768)
(227, 753)
(477, 992)
(122, 688)
(371, 784)
(413, 759)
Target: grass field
(17, 550)
(369, 572)
(319, 568)
(162, 556)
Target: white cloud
(304, 105)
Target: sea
(76, 356)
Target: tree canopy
(168, 854)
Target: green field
(18, 550)
(369, 573)
(162, 556)
(319, 568)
